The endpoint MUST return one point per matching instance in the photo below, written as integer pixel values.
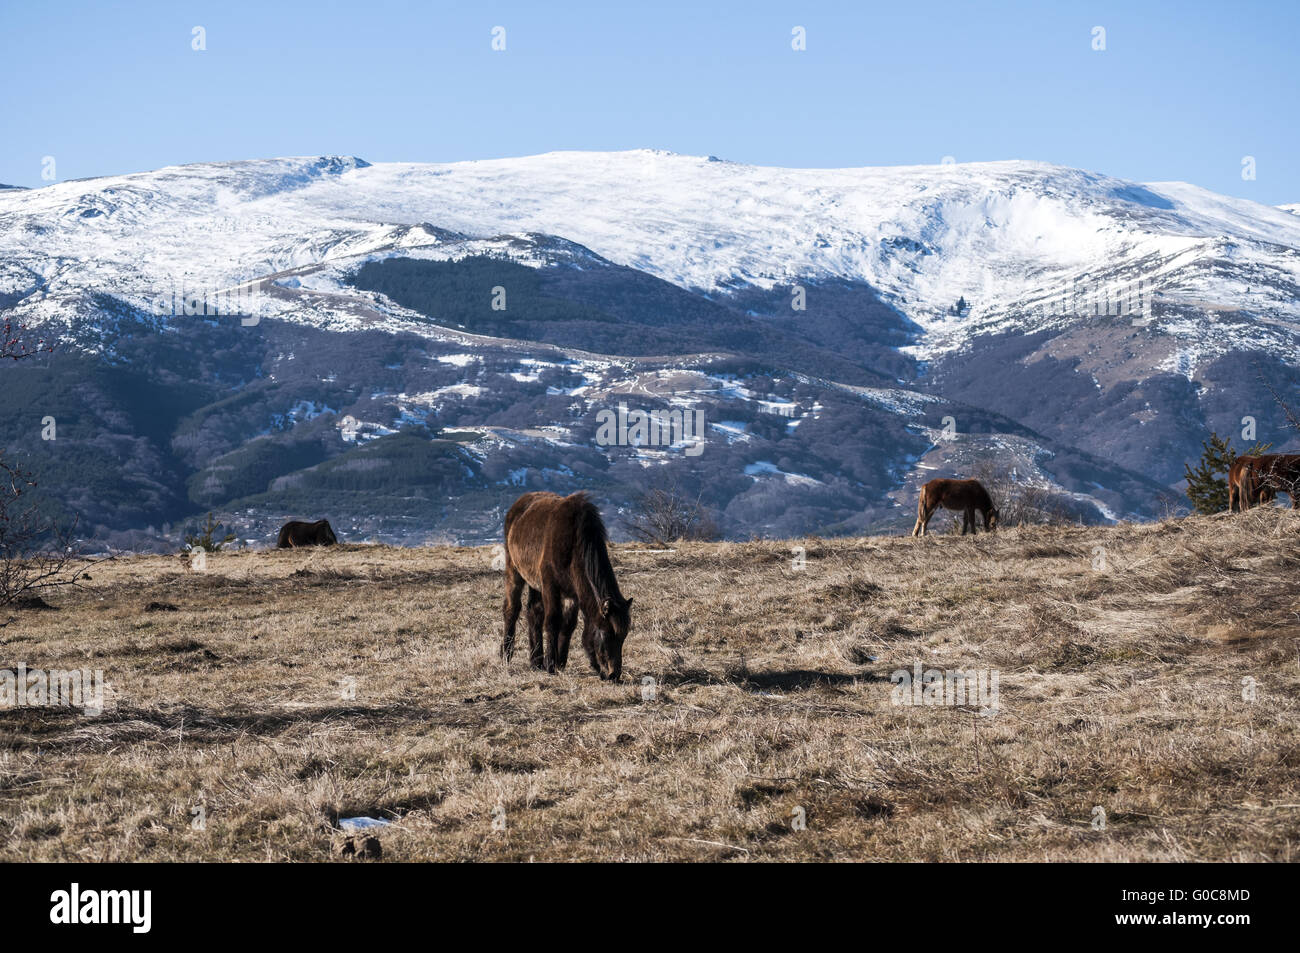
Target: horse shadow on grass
(786, 680)
(62, 727)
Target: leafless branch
(36, 552)
(1291, 416)
(663, 515)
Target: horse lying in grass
(557, 547)
(298, 533)
(964, 495)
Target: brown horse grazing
(1246, 487)
(556, 546)
(1279, 473)
(298, 533)
(965, 495)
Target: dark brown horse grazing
(298, 533)
(1246, 488)
(1279, 473)
(556, 546)
(965, 495)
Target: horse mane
(592, 539)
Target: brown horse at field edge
(299, 533)
(557, 547)
(1277, 473)
(964, 495)
(1245, 488)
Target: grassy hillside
(1121, 654)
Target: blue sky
(1184, 90)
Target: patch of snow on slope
(767, 468)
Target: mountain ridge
(982, 288)
(929, 209)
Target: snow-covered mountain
(1090, 314)
(1004, 235)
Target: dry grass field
(1121, 655)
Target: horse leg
(510, 609)
(589, 642)
(534, 628)
(566, 634)
(922, 520)
(553, 607)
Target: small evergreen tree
(206, 538)
(1207, 485)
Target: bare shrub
(663, 515)
(37, 553)
(1019, 502)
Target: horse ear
(628, 603)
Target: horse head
(612, 626)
